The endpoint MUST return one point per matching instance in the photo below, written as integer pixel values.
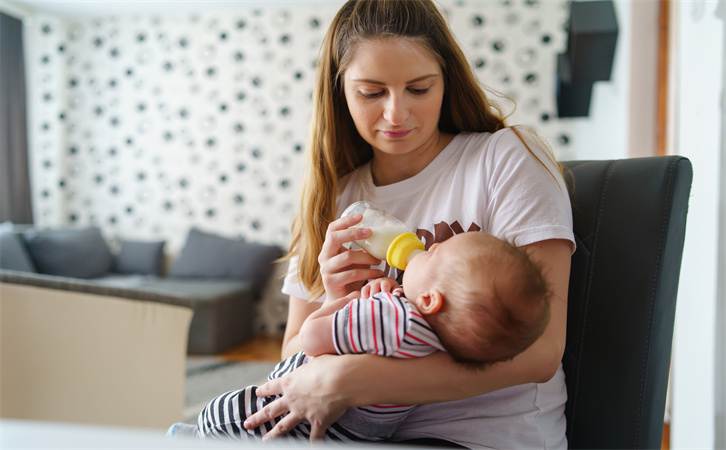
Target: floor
(260, 348)
(264, 348)
(666, 440)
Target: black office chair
(630, 221)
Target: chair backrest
(629, 221)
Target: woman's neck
(388, 169)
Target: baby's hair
(495, 318)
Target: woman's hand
(309, 393)
(383, 284)
(343, 270)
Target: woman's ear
(430, 302)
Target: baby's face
(421, 273)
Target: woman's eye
(378, 94)
(371, 94)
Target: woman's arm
(298, 311)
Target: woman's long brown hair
(336, 148)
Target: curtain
(15, 203)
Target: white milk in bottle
(390, 239)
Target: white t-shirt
(490, 182)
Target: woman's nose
(395, 110)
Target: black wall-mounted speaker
(573, 98)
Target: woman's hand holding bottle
(343, 270)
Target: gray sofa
(218, 278)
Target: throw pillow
(272, 310)
(13, 254)
(140, 257)
(207, 255)
(69, 252)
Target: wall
(699, 122)
(721, 274)
(643, 66)
(605, 133)
(148, 125)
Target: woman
(400, 120)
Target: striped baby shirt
(385, 324)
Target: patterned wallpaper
(146, 125)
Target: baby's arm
(316, 332)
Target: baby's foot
(182, 429)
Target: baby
(474, 296)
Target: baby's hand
(383, 284)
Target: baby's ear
(430, 302)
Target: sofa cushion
(207, 255)
(140, 257)
(13, 254)
(69, 252)
(192, 292)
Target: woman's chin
(397, 146)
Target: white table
(29, 434)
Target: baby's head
(485, 298)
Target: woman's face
(394, 88)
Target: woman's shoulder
(502, 141)
(479, 154)
(496, 144)
(511, 150)
(512, 145)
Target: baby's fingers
(375, 287)
(389, 285)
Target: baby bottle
(390, 238)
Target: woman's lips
(396, 134)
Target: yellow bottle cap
(400, 248)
